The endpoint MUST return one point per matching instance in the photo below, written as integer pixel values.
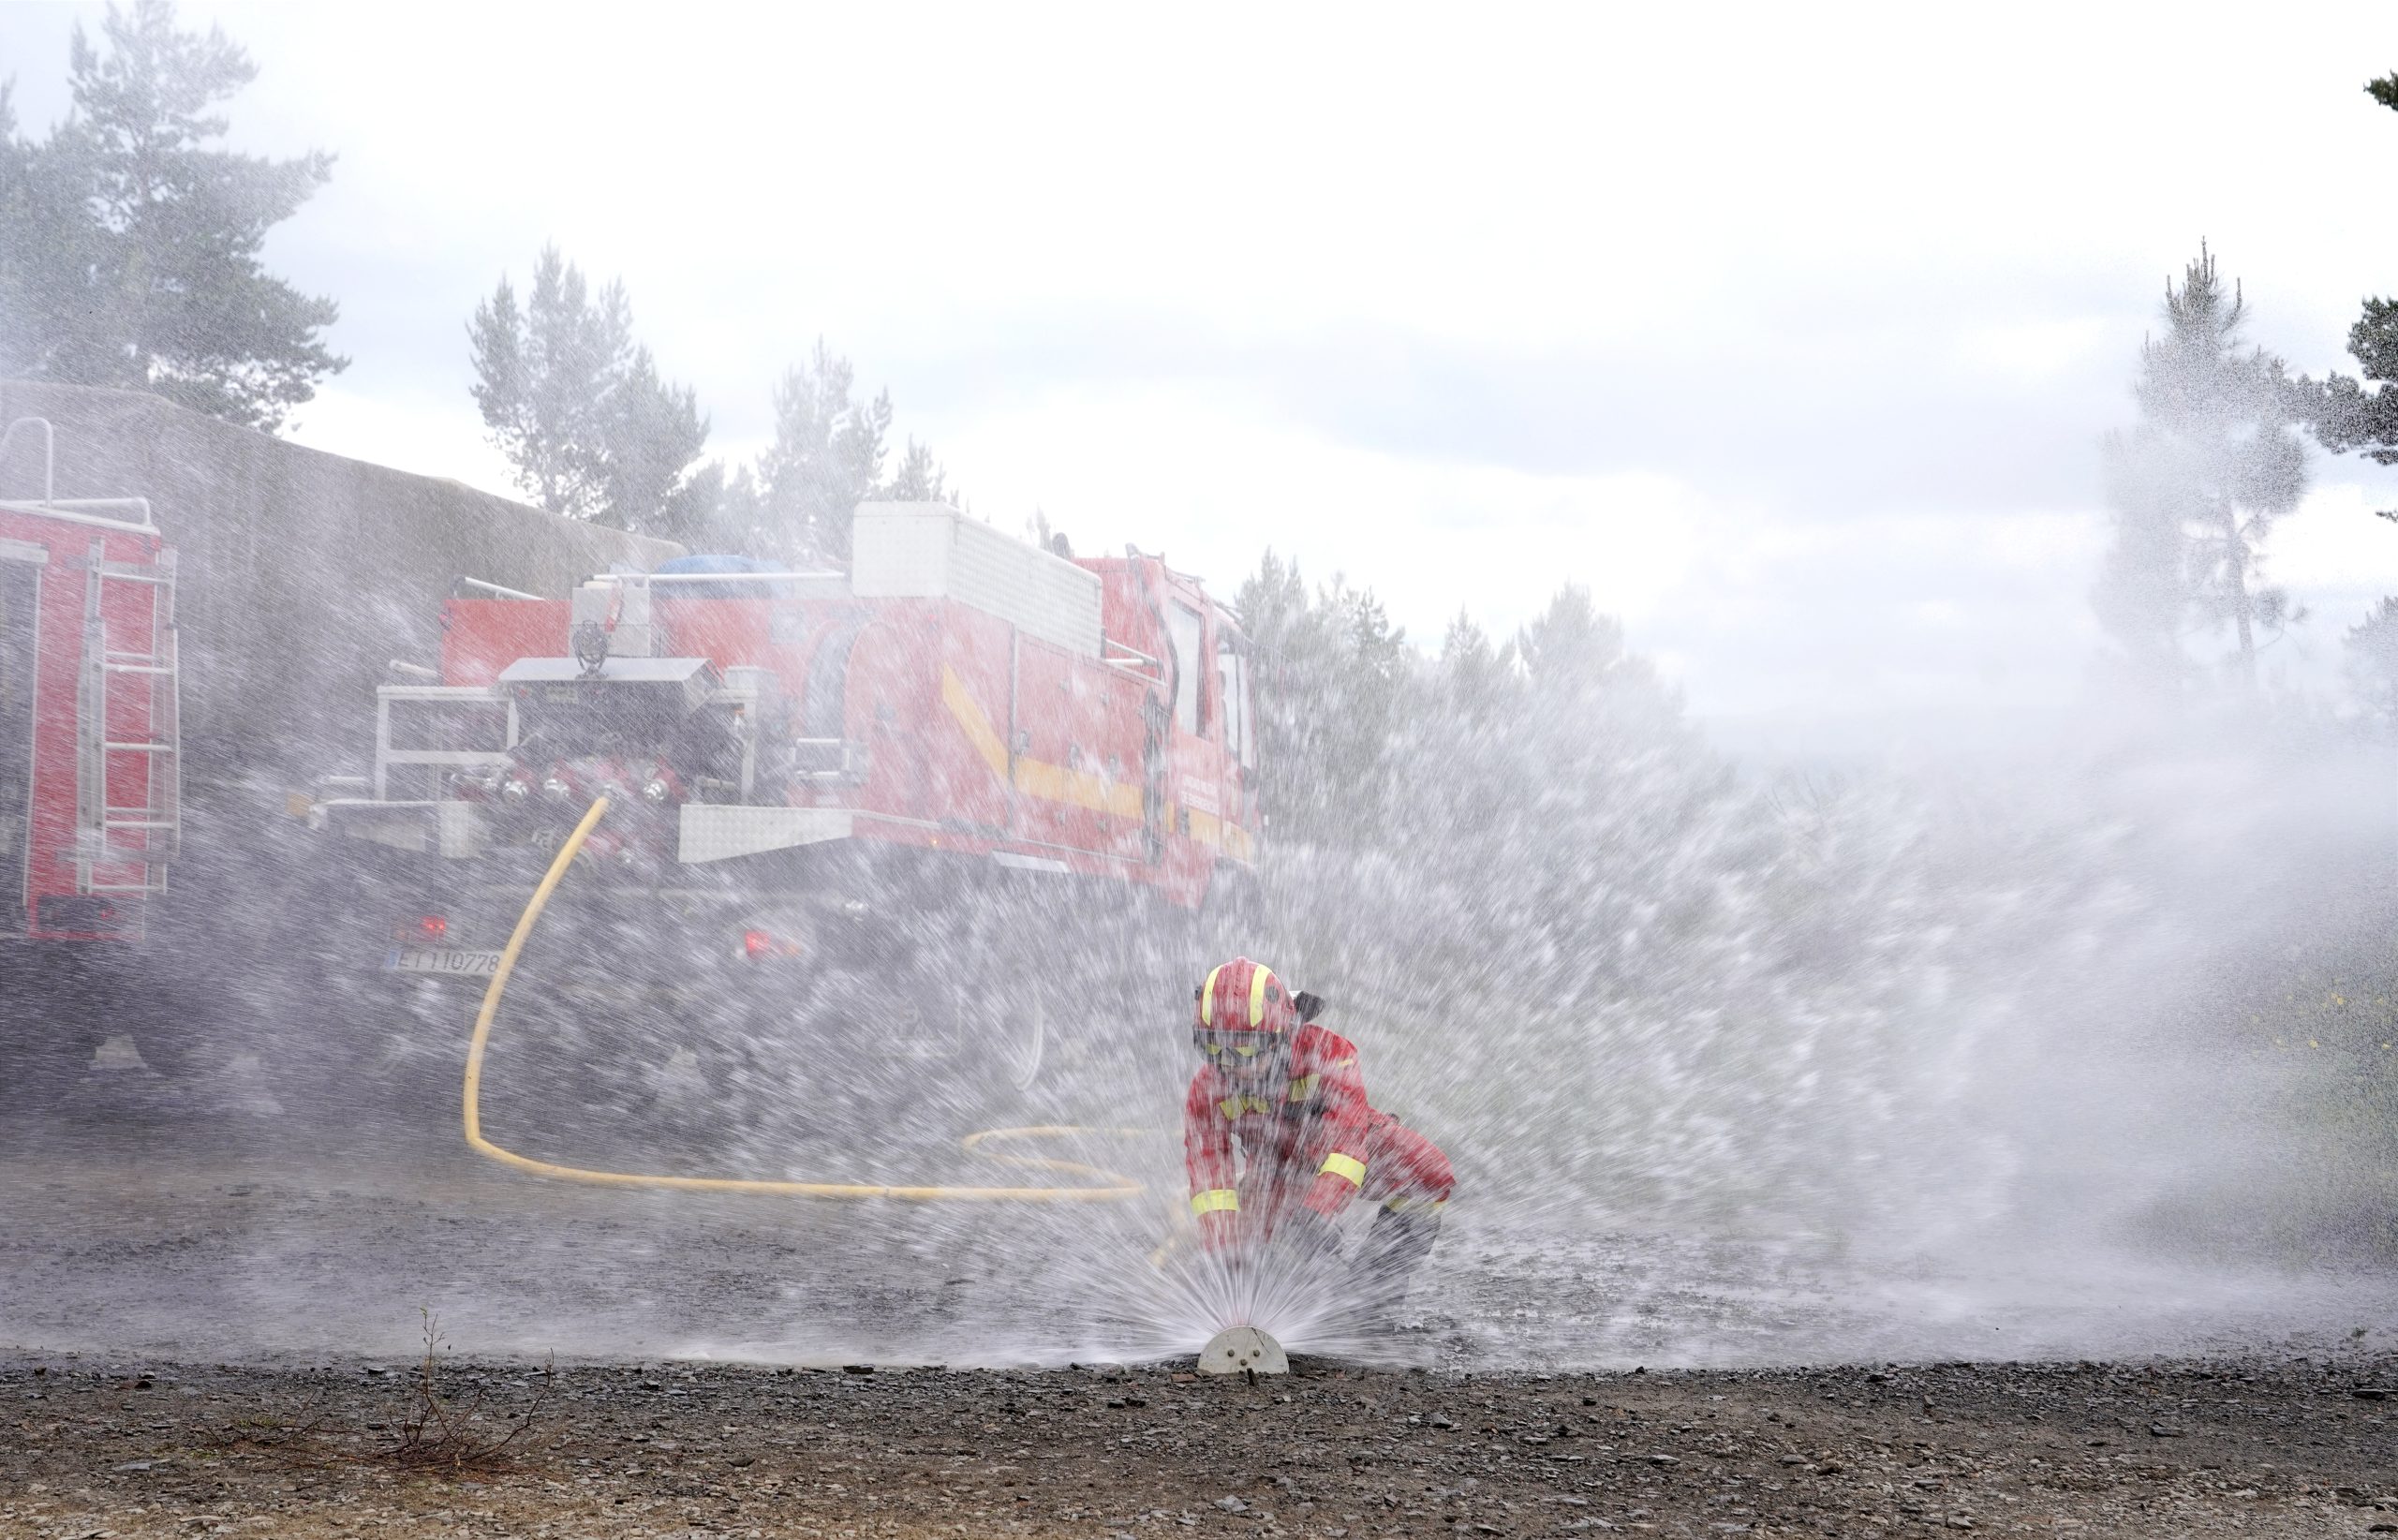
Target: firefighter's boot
(1394, 1246)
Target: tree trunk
(2235, 555)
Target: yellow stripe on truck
(1076, 788)
(961, 704)
(1033, 778)
(1348, 1166)
(1214, 1201)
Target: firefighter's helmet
(1242, 995)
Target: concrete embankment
(303, 575)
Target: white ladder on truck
(119, 838)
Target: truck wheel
(52, 1065)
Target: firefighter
(1288, 1095)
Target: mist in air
(1850, 793)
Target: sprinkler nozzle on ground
(1243, 1349)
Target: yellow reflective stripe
(1344, 1063)
(1346, 1166)
(962, 705)
(1257, 995)
(1076, 788)
(1301, 1088)
(1416, 1206)
(1232, 1106)
(1214, 1201)
(1207, 997)
(1049, 782)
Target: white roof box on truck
(932, 550)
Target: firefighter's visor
(1235, 1048)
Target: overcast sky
(1790, 332)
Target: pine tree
(654, 435)
(2146, 586)
(720, 509)
(2199, 482)
(1479, 682)
(130, 244)
(2346, 414)
(827, 457)
(578, 406)
(2373, 662)
(1335, 694)
(919, 478)
(1571, 651)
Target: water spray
(1242, 1348)
(1107, 1186)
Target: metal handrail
(387, 757)
(1109, 641)
(80, 510)
(491, 588)
(62, 512)
(103, 505)
(717, 577)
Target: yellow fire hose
(1110, 1186)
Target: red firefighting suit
(1310, 1142)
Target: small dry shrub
(450, 1434)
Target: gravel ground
(150, 1218)
(122, 1449)
(190, 1271)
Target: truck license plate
(422, 959)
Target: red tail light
(431, 928)
(763, 945)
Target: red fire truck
(908, 791)
(90, 805)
